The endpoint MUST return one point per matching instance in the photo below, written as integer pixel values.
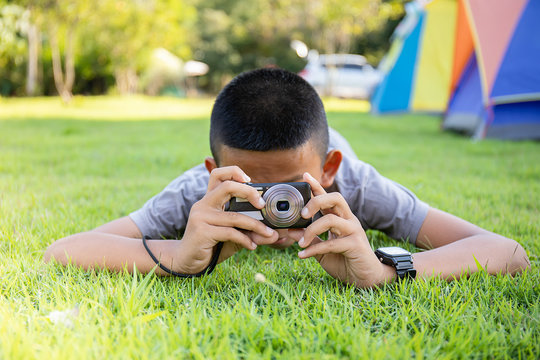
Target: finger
(240, 221)
(332, 202)
(225, 234)
(226, 190)
(219, 175)
(315, 240)
(316, 187)
(337, 246)
(295, 234)
(261, 240)
(330, 222)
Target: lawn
(69, 169)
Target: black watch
(399, 258)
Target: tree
(63, 17)
(59, 19)
(129, 30)
(374, 42)
(236, 35)
(34, 46)
(89, 46)
(13, 26)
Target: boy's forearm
(101, 250)
(494, 253)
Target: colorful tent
(477, 59)
(419, 66)
(498, 94)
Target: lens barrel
(276, 211)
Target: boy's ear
(210, 164)
(330, 167)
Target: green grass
(69, 169)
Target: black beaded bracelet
(207, 271)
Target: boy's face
(277, 166)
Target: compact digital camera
(284, 202)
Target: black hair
(268, 109)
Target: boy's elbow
(56, 251)
(50, 253)
(519, 261)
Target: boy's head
(272, 124)
(268, 109)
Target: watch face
(394, 251)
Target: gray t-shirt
(378, 202)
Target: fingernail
(304, 212)
(247, 178)
(301, 241)
(269, 231)
(261, 202)
(253, 245)
(302, 253)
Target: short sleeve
(380, 203)
(165, 215)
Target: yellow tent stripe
(434, 68)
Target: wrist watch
(399, 258)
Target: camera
(284, 202)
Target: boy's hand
(347, 254)
(209, 224)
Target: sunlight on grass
(117, 108)
(136, 107)
(346, 105)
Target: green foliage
(13, 25)
(374, 42)
(236, 35)
(134, 28)
(113, 39)
(69, 169)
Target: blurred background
(181, 47)
(473, 63)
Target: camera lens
(282, 205)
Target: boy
(269, 125)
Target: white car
(341, 75)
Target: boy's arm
(117, 245)
(123, 227)
(455, 244)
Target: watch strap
(404, 267)
(402, 263)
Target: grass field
(69, 169)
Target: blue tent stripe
(525, 113)
(468, 95)
(517, 121)
(466, 111)
(519, 73)
(394, 92)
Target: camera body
(284, 202)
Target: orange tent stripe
(464, 45)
